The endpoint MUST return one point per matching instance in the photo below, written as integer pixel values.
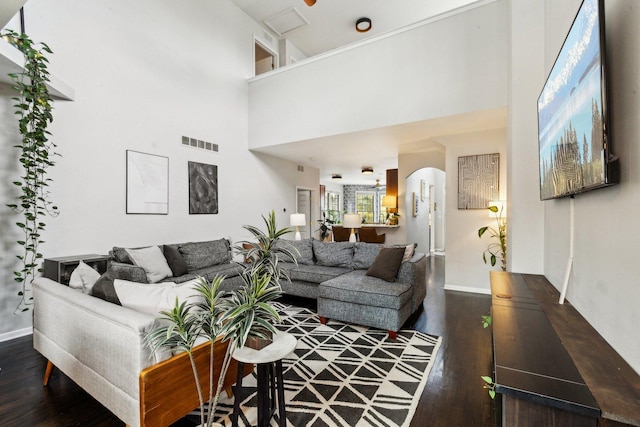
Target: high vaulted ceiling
(331, 25)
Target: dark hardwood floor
(453, 396)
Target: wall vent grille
(199, 144)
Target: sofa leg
(323, 320)
(393, 335)
(47, 373)
(229, 392)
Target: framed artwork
(415, 201)
(147, 183)
(478, 180)
(203, 188)
(423, 189)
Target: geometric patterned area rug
(344, 375)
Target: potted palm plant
(249, 314)
(181, 330)
(242, 317)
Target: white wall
(464, 269)
(525, 210)
(604, 285)
(145, 73)
(417, 227)
(289, 53)
(448, 67)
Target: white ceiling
(332, 22)
(379, 148)
(332, 25)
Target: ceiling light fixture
(336, 177)
(362, 25)
(367, 170)
(310, 2)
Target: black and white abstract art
(478, 180)
(203, 188)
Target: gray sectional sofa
(336, 274)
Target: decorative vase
(259, 343)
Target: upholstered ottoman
(357, 298)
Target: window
(333, 206)
(366, 205)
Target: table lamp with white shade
(352, 221)
(297, 220)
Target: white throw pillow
(408, 252)
(153, 262)
(152, 298)
(83, 278)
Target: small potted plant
(497, 249)
(392, 218)
(325, 226)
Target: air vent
(286, 21)
(199, 144)
(300, 168)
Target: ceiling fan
(310, 2)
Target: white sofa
(100, 346)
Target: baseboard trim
(16, 334)
(467, 289)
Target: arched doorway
(425, 208)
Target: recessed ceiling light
(367, 170)
(363, 25)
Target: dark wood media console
(551, 367)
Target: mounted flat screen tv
(574, 146)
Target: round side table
(268, 363)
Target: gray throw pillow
(304, 248)
(387, 264)
(364, 254)
(119, 254)
(104, 288)
(205, 254)
(174, 259)
(128, 272)
(333, 254)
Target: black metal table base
(270, 394)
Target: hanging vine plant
(33, 107)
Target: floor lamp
(297, 220)
(352, 221)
